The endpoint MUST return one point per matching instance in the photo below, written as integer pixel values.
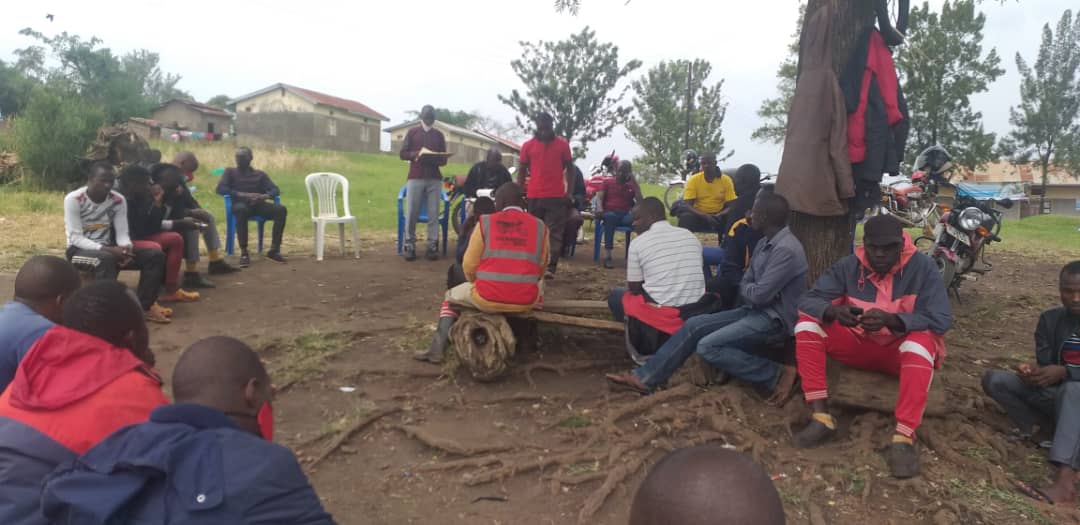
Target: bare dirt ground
(551, 444)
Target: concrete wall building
(193, 116)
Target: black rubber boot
(435, 353)
(814, 434)
(903, 460)
(195, 280)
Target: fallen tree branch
(352, 430)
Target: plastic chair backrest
(326, 187)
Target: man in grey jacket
(770, 291)
(1047, 392)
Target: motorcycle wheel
(673, 194)
(455, 216)
(947, 269)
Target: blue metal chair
(230, 224)
(598, 233)
(444, 219)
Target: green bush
(52, 132)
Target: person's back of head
(225, 374)
(44, 282)
(508, 195)
(706, 485)
(774, 209)
(109, 311)
(652, 209)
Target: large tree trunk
(827, 239)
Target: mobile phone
(856, 310)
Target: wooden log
(484, 343)
(573, 305)
(569, 320)
(875, 391)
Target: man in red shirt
(548, 165)
(614, 201)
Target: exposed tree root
(565, 367)
(580, 479)
(520, 396)
(511, 468)
(940, 445)
(433, 373)
(449, 445)
(460, 464)
(646, 403)
(352, 430)
(615, 478)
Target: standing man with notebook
(424, 147)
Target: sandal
(627, 381)
(1032, 492)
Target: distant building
(192, 116)
(1062, 190)
(468, 146)
(298, 117)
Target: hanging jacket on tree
(815, 172)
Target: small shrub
(51, 133)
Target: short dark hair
(653, 207)
(162, 170)
(775, 207)
(134, 173)
(215, 366)
(244, 148)
(103, 309)
(99, 165)
(1072, 268)
(543, 116)
(44, 278)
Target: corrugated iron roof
(200, 107)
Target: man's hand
(1046, 376)
(199, 215)
(122, 254)
(875, 320)
(187, 223)
(848, 316)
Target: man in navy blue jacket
(208, 458)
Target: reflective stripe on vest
(511, 265)
(507, 277)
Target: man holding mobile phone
(884, 308)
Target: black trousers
(554, 212)
(104, 265)
(268, 210)
(696, 223)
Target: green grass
(1050, 235)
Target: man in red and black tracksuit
(79, 382)
(884, 308)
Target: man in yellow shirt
(706, 197)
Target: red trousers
(911, 357)
(173, 245)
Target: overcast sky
(397, 56)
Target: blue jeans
(741, 328)
(734, 349)
(614, 303)
(612, 219)
(711, 256)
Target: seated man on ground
(504, 265)
(705, 198)
(663, 273)
(96, 224)
(79, 383)
(1047, 392)
(181, 204)
(885, 309)
(707, 485)
(149, 228)
(730, 340)
(41, 287)
(614, 202)
(209, 458)
(252, 194)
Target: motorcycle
(914, 201)
(961, 238)
(454, 186)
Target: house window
(209, 127)
(332, 128)
(248, 109)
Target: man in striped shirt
(95, 221)
(1047, 392)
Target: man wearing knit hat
(884, 308)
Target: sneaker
(180, 296)
(195, 280)
(410, 253)
(608, 263)
(432, 253)
(245, 261)
(164, 309)
(221, 268)
(275, 255)
(813, 435)
(156, 314)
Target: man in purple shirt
(252, 194)
(424, 188)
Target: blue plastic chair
(444, 219)
(230, 224)
(598, 229)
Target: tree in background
(463, 119)
(15, 90)
(51, 133)
(575, 81)
(942, 65)
(774, 110)
(659, 126)
(124, 86)
(219, 101)
(1045, 124)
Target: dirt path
(554, 447)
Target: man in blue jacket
(41, 286)
(208, 458)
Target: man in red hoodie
(79, 383)
(884, 308)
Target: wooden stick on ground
(352, 430)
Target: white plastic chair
(326, 187)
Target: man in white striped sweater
(95, 222)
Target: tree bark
(828, 239)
